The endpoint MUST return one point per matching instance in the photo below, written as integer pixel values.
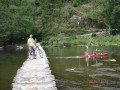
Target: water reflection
(74, 73)
(97, 64)
(110, 60)
(79, 68)
(10, 61)
(87, 60)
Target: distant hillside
(48, 18)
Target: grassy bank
(100, 41)
(71, 41)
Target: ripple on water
(115, 64)
(110, 60)
(105, 74)
(67, 57)
(118, 69)
(106, 88)
(97, 65)
(105, 69)
(68, 84)
(81, 70)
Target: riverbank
(68, 41)
(94, 41)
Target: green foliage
(111, 13)
(5, 23)
(49, 18)
(115, 17)
(100, 41)
(76, 3)
(16, 20)
(60, 40)
(63, 40)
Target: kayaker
(94, 53)
(87, 53)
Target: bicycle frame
(37, 50)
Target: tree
(16, 20)
(115, 17)
(111, 14)
(5, 23)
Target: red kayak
(99, 54)
(94, 55)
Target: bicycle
(38, 50)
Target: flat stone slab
(35, 74)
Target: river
(71, 72)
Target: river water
(71, 72)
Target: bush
(76, 3)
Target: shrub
(76, 3)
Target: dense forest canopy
(47, 18)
